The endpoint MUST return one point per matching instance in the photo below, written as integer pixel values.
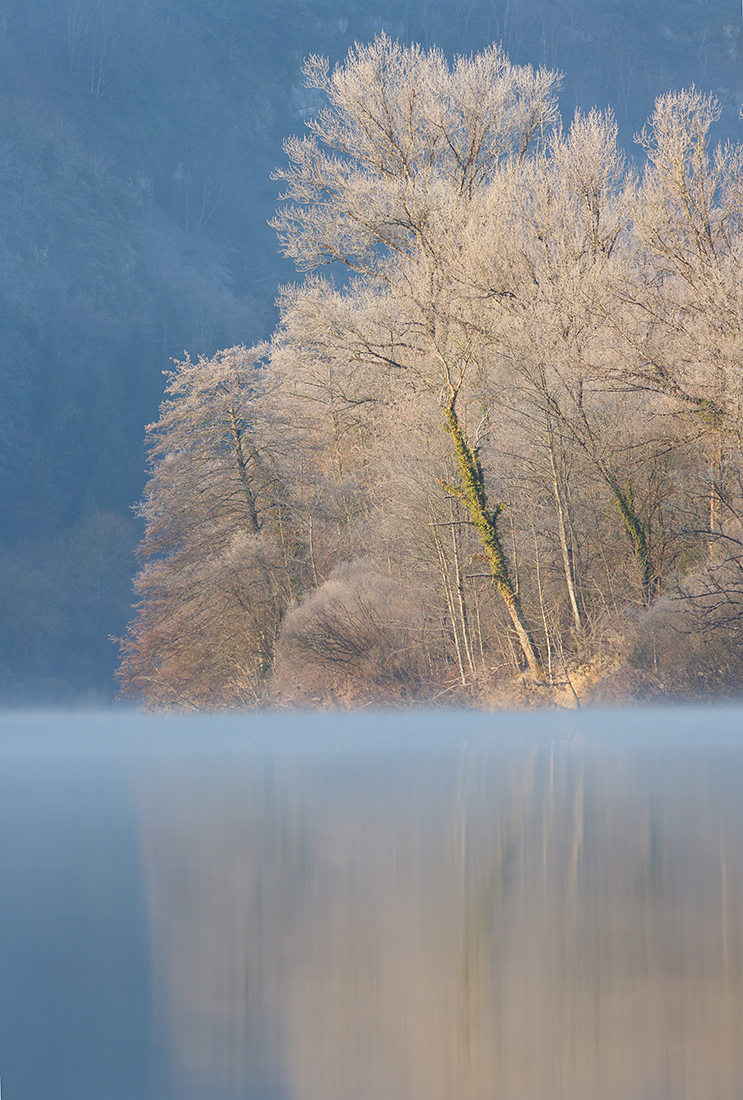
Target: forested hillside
(137, 140)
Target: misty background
(137, 140)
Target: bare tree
(218, 551)
(545, 263)
(404, 148)
(686, 309)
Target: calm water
(433, 907)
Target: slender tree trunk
(543, 609)
(443, 566)
(716, 495)
(462, 602)
(637, 533)
(471, 491)
(242, 470)
(624, 499)
(567, 556)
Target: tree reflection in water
(548, 923)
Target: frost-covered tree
(688, 305)
(385, 184)
(555, 248)
(217, 555)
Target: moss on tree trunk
(471, 491)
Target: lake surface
(443, 906)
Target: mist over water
(358, 907)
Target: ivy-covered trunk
(637, 531)
(471, 491)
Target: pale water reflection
(469, 909)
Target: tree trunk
(471, 491)
(444, 568)
(461, 601)
(637, 533)
(716, 495)
(242, 469)
(567, 556)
